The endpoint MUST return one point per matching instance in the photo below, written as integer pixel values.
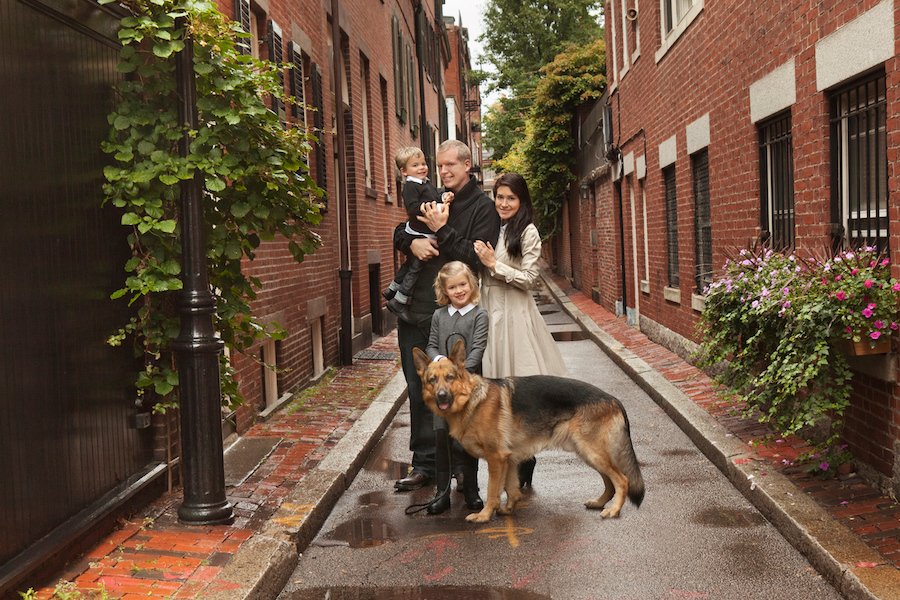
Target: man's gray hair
(462, 151)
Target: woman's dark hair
(525, 215)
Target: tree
(256, 178)
(524, 36)
(546, 153)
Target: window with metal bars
(776, 182)
(671, 225)
(859, 194)
(702, 221)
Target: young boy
(417, 190)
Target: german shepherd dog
(505, 421)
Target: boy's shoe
(400, 309)
(388, 293)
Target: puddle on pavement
(382, 464)
(728, 517)
(373, 499)
(418, 593)
(364, 532)
(569, 336)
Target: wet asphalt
(694, 536)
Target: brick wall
(707, 72)
(293, 294)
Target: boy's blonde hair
(404, 154)
(452, 269)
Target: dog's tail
(627, 462)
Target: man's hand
(435, 215)
(424, 248)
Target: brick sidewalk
(873, 517)
(153, 556)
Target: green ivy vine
(547, 153)
(256, 178)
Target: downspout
(344, 272)
(423, 120)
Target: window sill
(671, 294)
(645, 286)
(698, 302)
(371, 194)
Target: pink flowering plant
(770, 325)
(863, 292)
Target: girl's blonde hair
(452, 269)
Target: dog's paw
(479, 517)
(506, 510)
(609, 513)
(594, 505)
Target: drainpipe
(344, 273)
(423, 120)
(197, 345)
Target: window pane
(777, 182)
(671, 225)
(859, 163)
(702, 221)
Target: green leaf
(122, 123)
(130, 219)
(163, 49)
(240, 209)
(214, 184)
(167, 226)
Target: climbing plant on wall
(253, 165)
(546, 154)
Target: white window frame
(684, 12)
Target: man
(471, 217)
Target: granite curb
(261, 567)
(831, 548)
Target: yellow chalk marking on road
(295, 514)
(508, 530)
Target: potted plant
(865, 297)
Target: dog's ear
(458, 354)
(421, 361)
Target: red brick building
(393, 59)
(730, 122)
(463, 98)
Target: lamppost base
(220, 513)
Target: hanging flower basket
(868, 347)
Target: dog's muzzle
(443, 399)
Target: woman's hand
(434, 215)
(485, 253)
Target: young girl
(459, 318)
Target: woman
(519, 342)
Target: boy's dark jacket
(472, 217)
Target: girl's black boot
(526, 471)
(441, 501)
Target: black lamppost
(197, 346)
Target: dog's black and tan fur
(505, 421)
